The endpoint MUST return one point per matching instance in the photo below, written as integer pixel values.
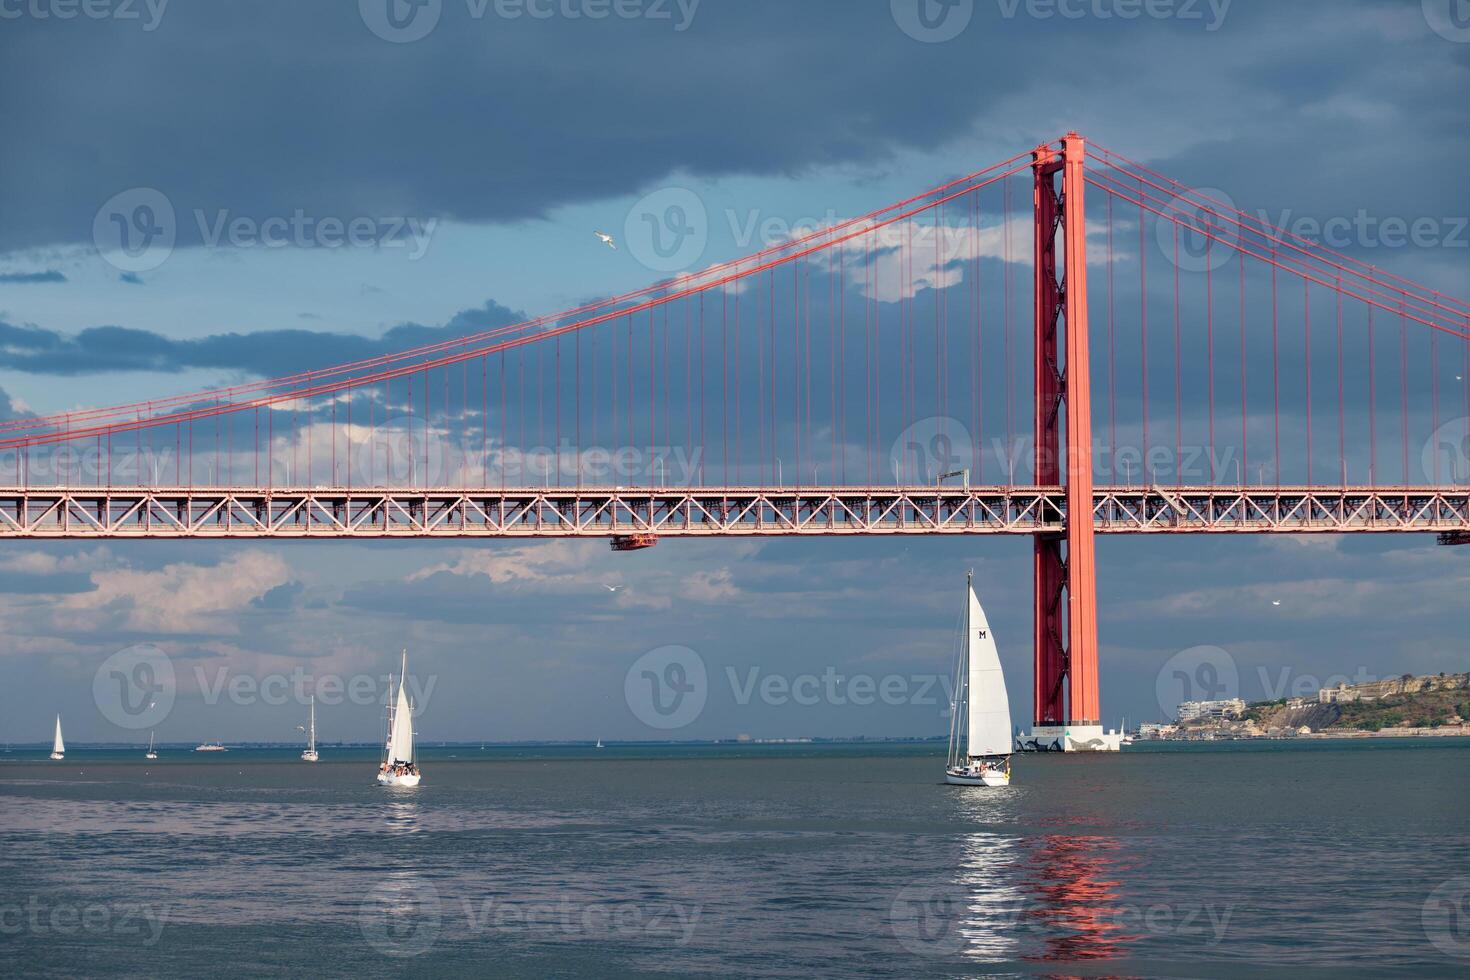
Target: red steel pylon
(1065, 626)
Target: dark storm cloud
(265, 109)
(277, 105)
(37, 350)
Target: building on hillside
(1341, 694)
(1211, 710)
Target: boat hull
(58, 756)
(977, 777)
(151, 755)
(309, 756)
(398, 779)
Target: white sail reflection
(402, 816)
(991, 901)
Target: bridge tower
(1065, 698)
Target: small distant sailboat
(599, 744)
(980, 724)
(58, 747)
(150, 754)
(398, 768)
(310, 755)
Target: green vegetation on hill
(1426, 709)
(1418, 709)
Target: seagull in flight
(612, 588)
(1275, 602)
(606, 239)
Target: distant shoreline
(1462, 731)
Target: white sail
(58, 746)
(989, 707)
(400, 735)
(311, 728)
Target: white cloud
(177, 598)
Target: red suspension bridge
(861, 378)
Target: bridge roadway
(321, 512)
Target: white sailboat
(980, 724)
(398, 768)
(150, 754)
(58, 747)
(310, 755)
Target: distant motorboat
(398, 767)
(210, 747)
(150, 754)
(980, 724)
(58, 747)
(310, 755)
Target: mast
(959, 706)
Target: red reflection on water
(1076, 898)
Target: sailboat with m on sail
(980, 724)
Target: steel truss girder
(77, 513)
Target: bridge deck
(254, 512)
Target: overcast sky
(478, 145)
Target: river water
(1318, 858)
